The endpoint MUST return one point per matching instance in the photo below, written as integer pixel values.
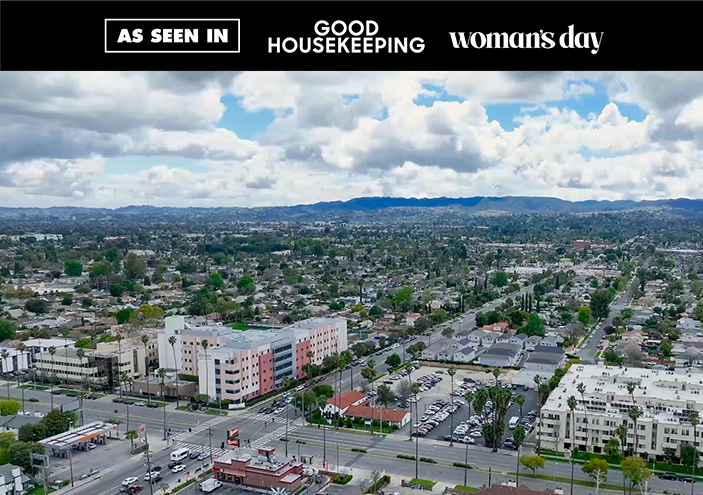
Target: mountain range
(358, 209)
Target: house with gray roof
(12, 480)
(501, 355)
(532, 342)
(545, 358)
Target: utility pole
(286, 428)
(466, 463)
(148, 464)
(209, 434)
(44, 478)
(338, 468)
(324, 443)
(165, 428)
(70, 456)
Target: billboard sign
(73, 405)
(232, 440)
(40, 460)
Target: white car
(475, 434)
(153, 474)
(299, 388)
(178, 468)
(129, 481)
(140, 404)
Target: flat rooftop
(81, 434)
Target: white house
(340, 403)
(12, 481)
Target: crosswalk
(218, 451)
(197, 429)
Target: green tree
(600, 303)
(217, 280)
(9, 407)
(375, 311)
(612, 450)
(131, 435)
(19, 454)
(123, 315)
(67, 299)
(500, 279)
(535, 326)
(134, 267)
(393, 361)
(689, 455)
(7, 330)
(532, 461)
(597, 469)
(404, 297)
(73, 268)
(220, 259)
(146, 314)
(422, 325)
(635, 469)
(666, 349)
(116, 290)
(448, 332)
(246, 285)
(38, 306)
(584, 315)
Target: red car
(134, 489)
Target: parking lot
(435, 402)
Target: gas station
(78, 438)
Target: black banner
(43, 35)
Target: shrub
(300, 490)
(405, 456)
(283, 439)
(363, 451)
(300, 441)
(428, 459)
(350, 423)
(33, 399)
(342, 479)
(461, 465)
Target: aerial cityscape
(337, 283)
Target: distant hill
(358, 209)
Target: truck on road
(210, 485)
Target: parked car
(91, 446)
(152, 405)
(71, 394)
(687, 479)
(117, 400)
(56, 392)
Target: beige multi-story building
(665, 398)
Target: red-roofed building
(342, 402)
(394, 417)
(500, 326)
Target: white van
(180, 454)
(514, 421)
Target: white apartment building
(666, 399)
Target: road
(590, 349)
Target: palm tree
(145, 341)
(571, 402)
(65, 332)
(172, 340)
(161, 373)
(334, 359)
(501, 404)
(496, 374)
(205, 344)
(520, 399)
(80, 353)
(5, 354)
(131, 435)
(621, 433)
(21, 348)
(582, 390)
(52, 351)
(631, 386)
(127, 379)
(634, 414)
(452, 371)
(369, 373)
(694, 419)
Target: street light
(286, 428)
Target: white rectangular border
(239, 36)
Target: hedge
(428, 459)
(183, 485)
(462, 465)
(342, 480)
(301, 490)
(404, 456)
(363, 451)
(466, 488)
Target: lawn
(35, 387)
(39, 490)
(466, 488)
(216, 412)
(420, 481)
(567, 481)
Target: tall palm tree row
(161, 373)
(634, 414)
(172, 341)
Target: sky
(111, 139)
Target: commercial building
(94, 369)
(15, 360)
(259, 468)
(665, 398)
(238, 365)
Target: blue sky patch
(244, 124)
